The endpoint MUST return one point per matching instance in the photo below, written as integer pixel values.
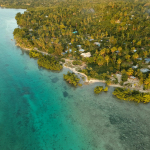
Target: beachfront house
(88, 54)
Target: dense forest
(46, 61)
(121, 29)
(46, 3)
(115, 33)
(72, 79)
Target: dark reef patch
(108, 147)
(6, 65)
(65, 87)
(65, 94)
(54, 80)
(131, 133)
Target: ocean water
(40, 111)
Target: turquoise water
(40, 111)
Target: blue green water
(40, 111)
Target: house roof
(97, 43)
(75, 32)
(132, 77)
(88, 54)
(147, 59)
(139, 58)
(135, 67)
(81, 50)
(144, 70)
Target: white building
(134, 50)
(88, 54)
(81, 50)
(144, 70)
(135, 67)
(79, 46)
(139, 58)
(97, 43)
(147, 60)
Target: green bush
(63, 60)
(121, 83)
(49, 62)
(72, 78)
(79, 84)
(35, 54)
(98, 89)
(106, 89)
(131, 95)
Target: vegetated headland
(105, 41)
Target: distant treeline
(48, 3)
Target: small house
(144, 70)
(97, 43)
(79, 46)
(147, 60)
(91, 39)
(88, 54)
(117, 21)
(132, 77)
(81, 50)
(134, 50)
(135, 67)
(139, 58)
(75, 32)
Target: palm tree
(113, 49)
(119, 62)
(130, 71)
(119, 49)
(114, 58)
(135, 56)
(102, 52)
(107, 59)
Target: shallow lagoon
(40, 111)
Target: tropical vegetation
(72, 79)
(98, 89)
(131, 95)
(35, 54)
(115, 33)
(49, 62)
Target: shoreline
(87, 82)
